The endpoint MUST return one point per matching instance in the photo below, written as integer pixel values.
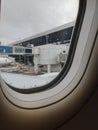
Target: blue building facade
(6, 49)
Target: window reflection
(35, 40)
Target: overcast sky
(24, 18)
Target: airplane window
(35, 38)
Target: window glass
(35, 37)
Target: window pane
(35, 37)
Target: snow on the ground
(27, 81)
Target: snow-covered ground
(27, 81)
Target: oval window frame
(42, 99)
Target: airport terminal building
(52, 41)
(58, 35)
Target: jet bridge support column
(49, 68)
(36, 60)
(36, 68)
